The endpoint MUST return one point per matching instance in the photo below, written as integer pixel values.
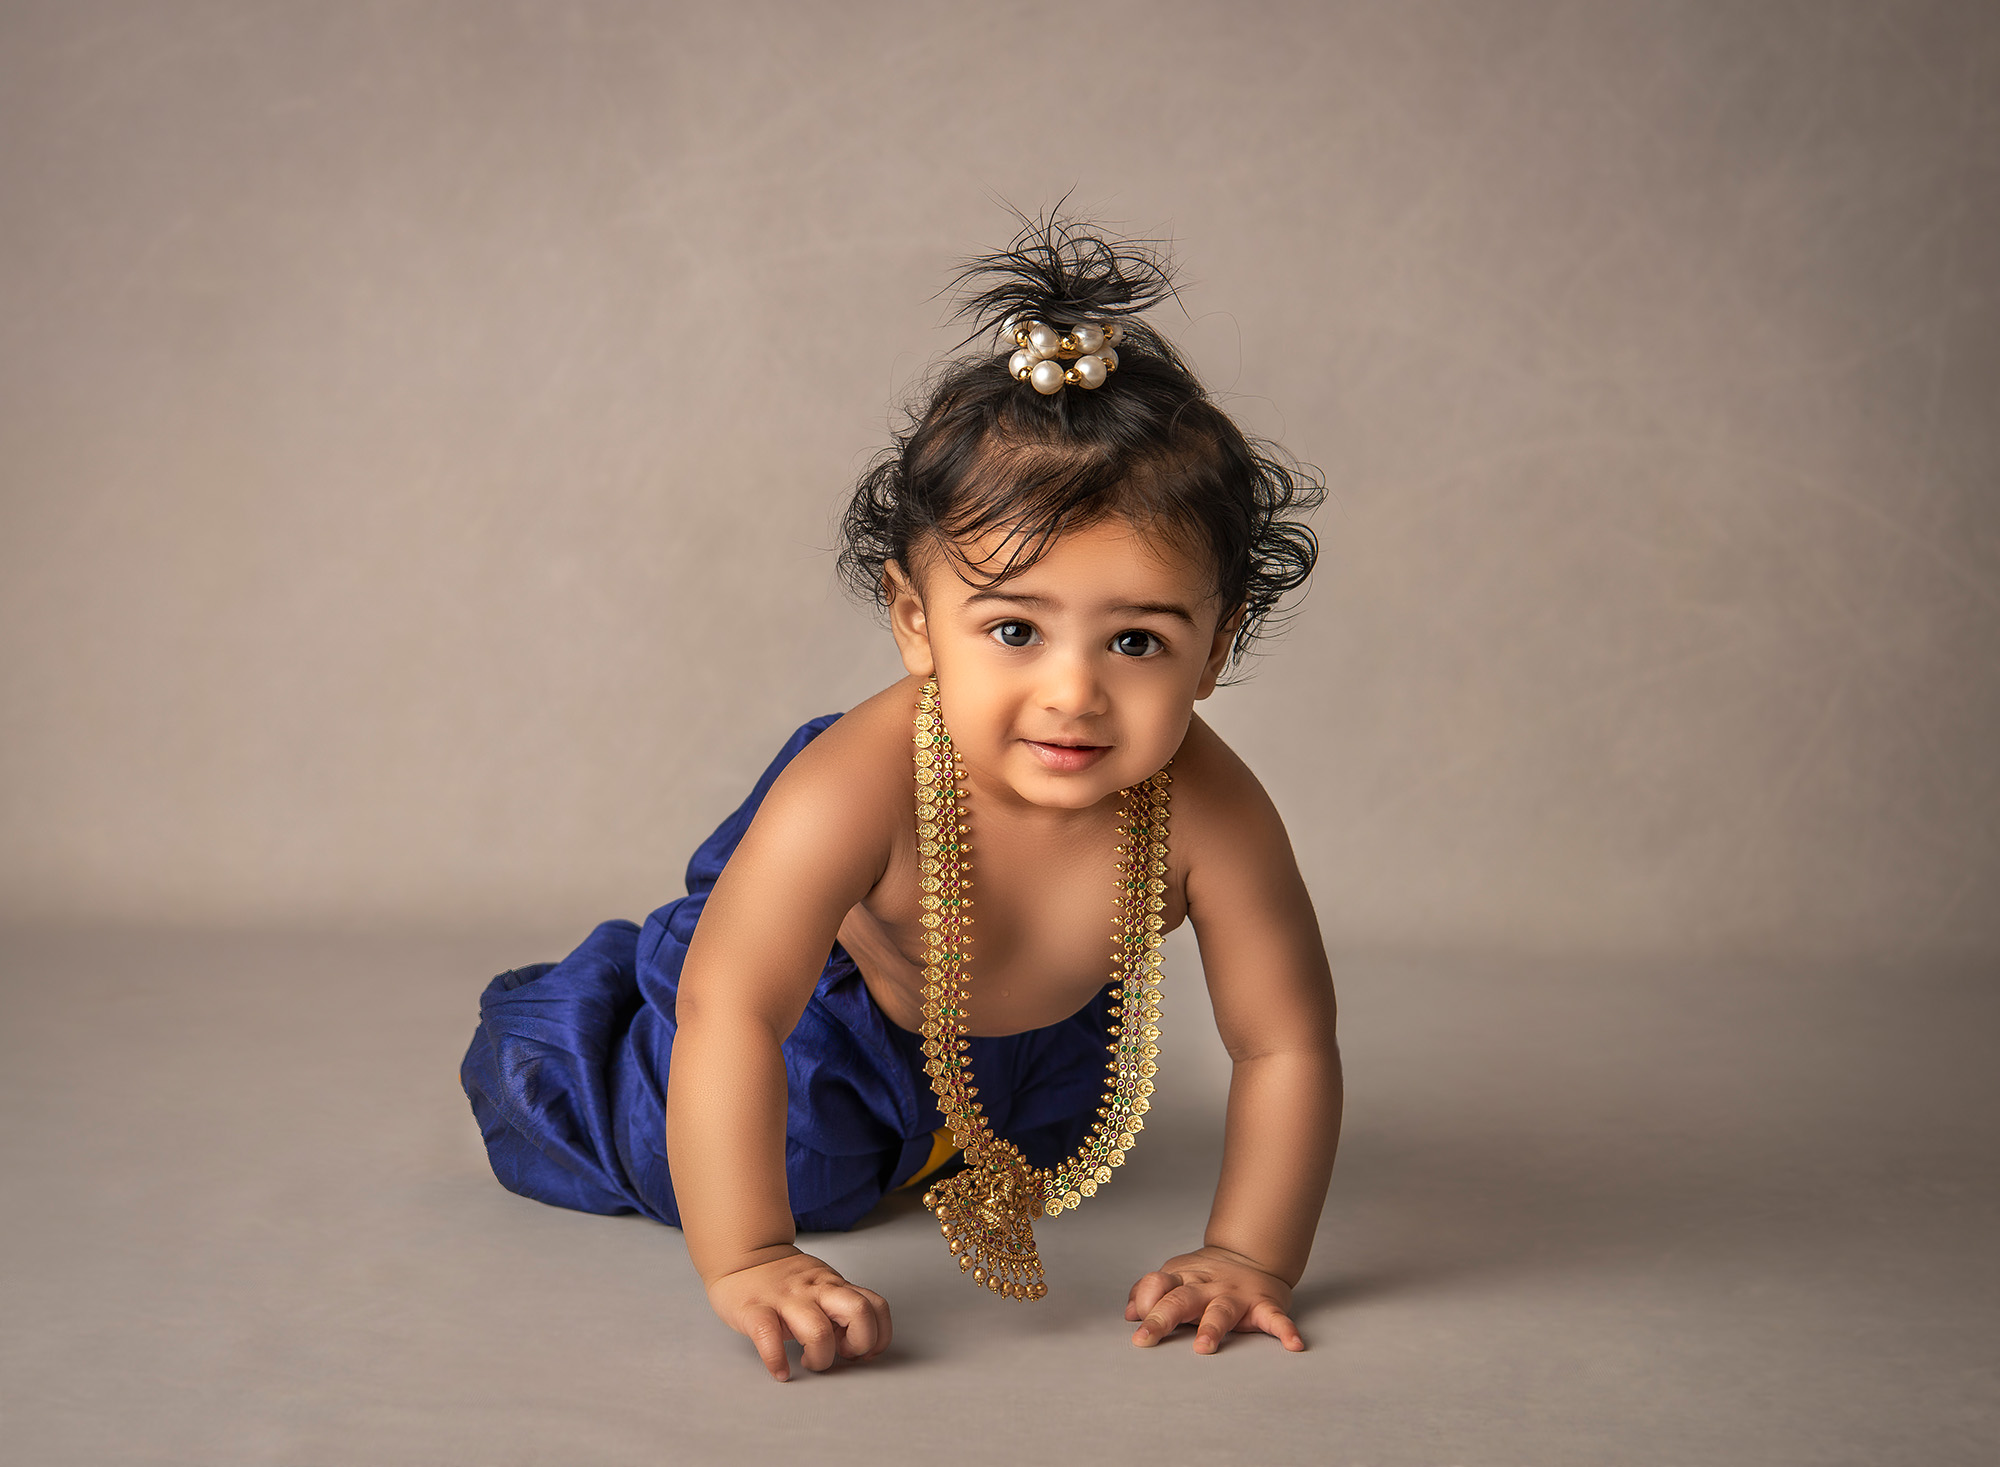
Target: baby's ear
(907, 622)
(1218, 653)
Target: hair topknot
(1057, 271)
(981, 451)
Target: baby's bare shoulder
(820, 840)
(1218, 802)
(845, 793)
(1227, 825)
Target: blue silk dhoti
(568, 1070)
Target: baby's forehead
(1110, 561)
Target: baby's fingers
(863, 1317)
(1216, 1321)
(814, 1332)
(1146, 1293)
(1272, 1320)
(1169, 1312)
(767, 1332)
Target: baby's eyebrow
(1160, 608)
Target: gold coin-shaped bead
(1127, 1141)
(1072, 1198)
(1116, 1158)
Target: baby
(890, 969)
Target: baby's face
(1075, 678)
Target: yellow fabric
(941, 1150)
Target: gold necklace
(987, 1212)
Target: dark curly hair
(982, 451)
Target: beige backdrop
(422, 426)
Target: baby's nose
(1072, 685)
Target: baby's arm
(1273, 996)
(817, 845)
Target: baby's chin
(1059, 789)
(1064, 797)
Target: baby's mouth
(1067, 757)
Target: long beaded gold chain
(987, 1212)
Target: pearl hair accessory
(1049, 359)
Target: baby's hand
(797, 1297)
(1220, 1290)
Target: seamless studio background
(421, 432)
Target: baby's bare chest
(1045, 916)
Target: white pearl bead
(1089, 371)
(1113, 333)
(1009, 326)
(1088, 338)
(1109, 358)
(1047, 377)
(1018, 365)
(1043, 340)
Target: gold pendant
(987, 1215)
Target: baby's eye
(1014, 633)
(1135, 643)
